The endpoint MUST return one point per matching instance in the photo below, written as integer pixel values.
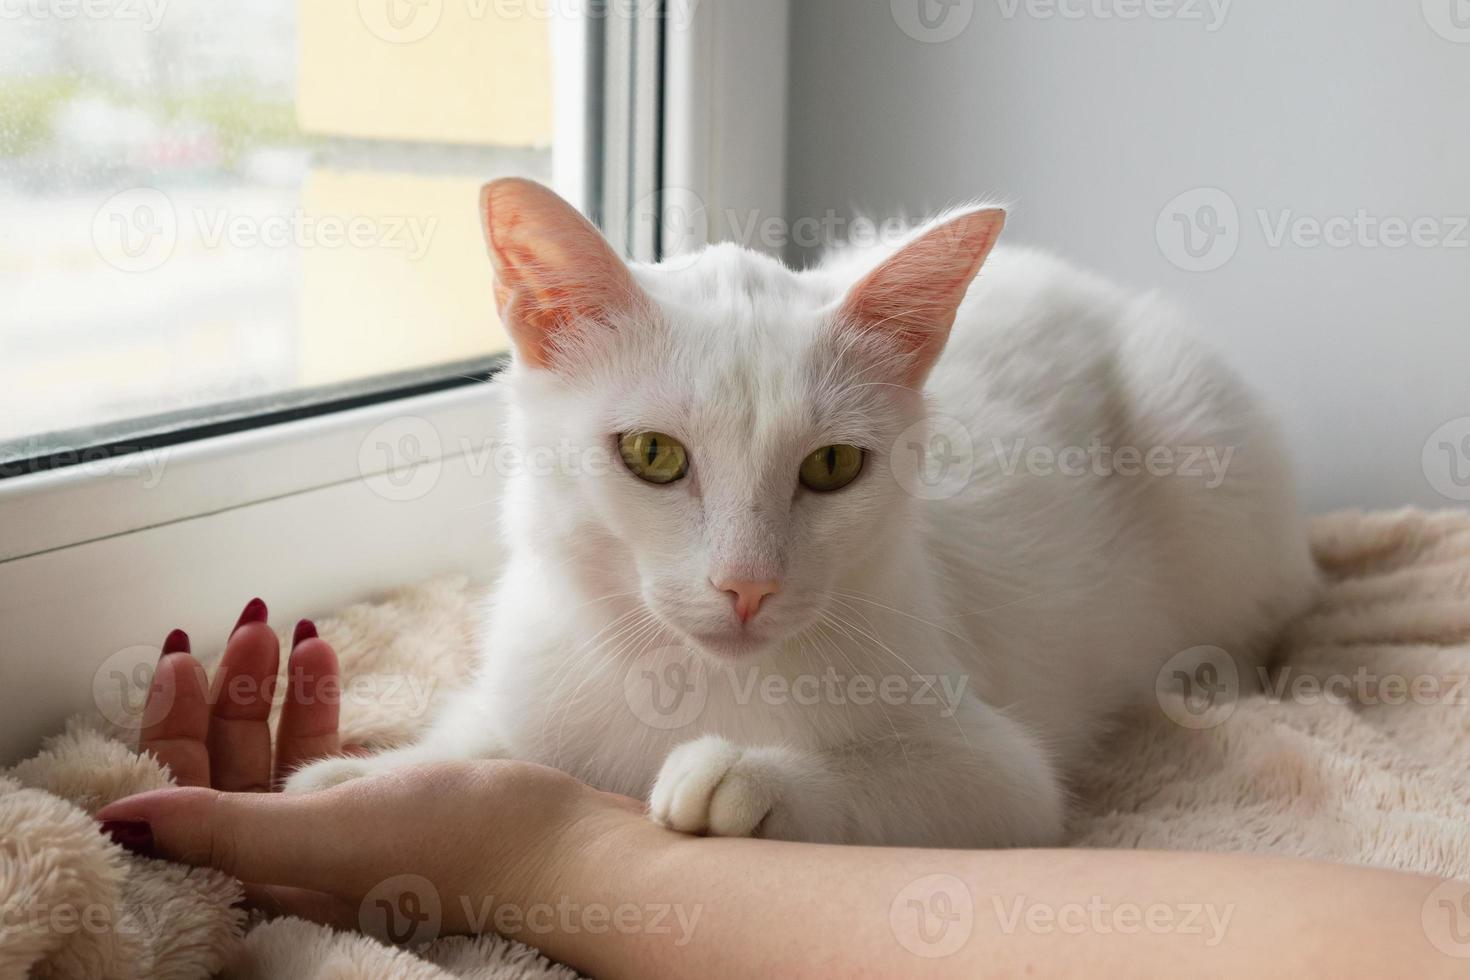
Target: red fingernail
(134, 836)
(176, 642)
(255, 612)
(305, 630)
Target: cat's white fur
(1033, 603)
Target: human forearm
(588, 879)
(741, 908)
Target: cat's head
(719, 431)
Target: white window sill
(98, 563)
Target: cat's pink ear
(554, 272)
(912, 298)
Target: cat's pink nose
(748, 596)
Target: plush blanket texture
(1353, 748)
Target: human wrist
(605, 884)
(604, 847)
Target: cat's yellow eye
(654, 457)
(831, 468)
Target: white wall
(1091, 125)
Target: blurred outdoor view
(203, 201)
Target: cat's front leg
(326, 773)
(459, 733)
(987, 784)
(713, 786)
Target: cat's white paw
(326, 773)
(711, 786)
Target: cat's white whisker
(843, 629)
(858, 596)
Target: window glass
(205, 205)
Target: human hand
(466, 830)
(219, 736)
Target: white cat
(795, 574)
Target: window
(213, 211)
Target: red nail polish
(305, 630)
(134, 836)
(255, 612)
(176, 642)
